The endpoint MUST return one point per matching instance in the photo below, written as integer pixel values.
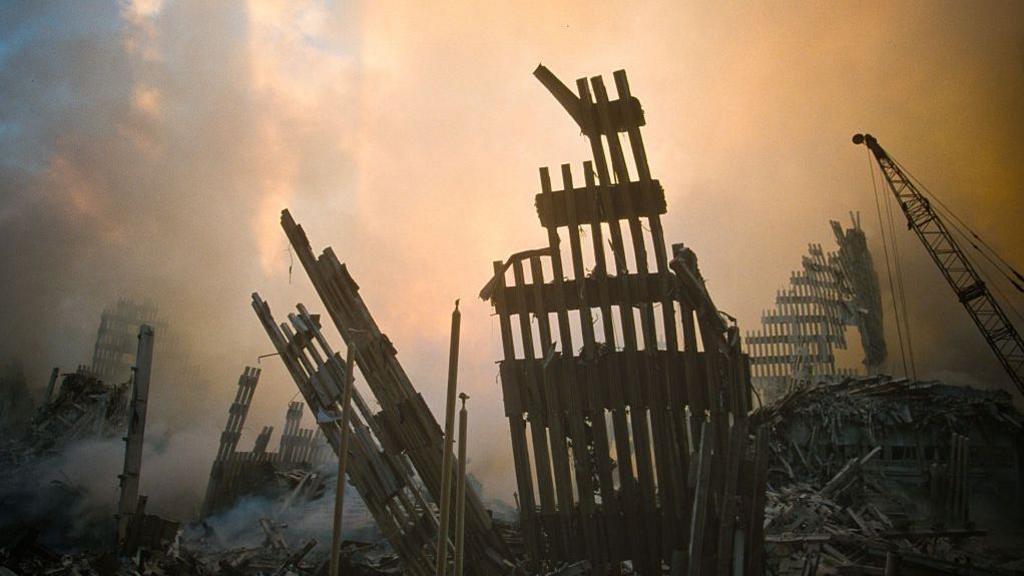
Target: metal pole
(446, 459)
(460, 491)
(136, 433)
(339, 487)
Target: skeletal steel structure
(395, 455)
(233, 473)
(625, 390)
(114, 351)
(799, 336)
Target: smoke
(239, 527)
(149, 146)
(72, 496)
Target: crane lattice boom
(993, 323)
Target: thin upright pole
(449, 432)
(460, 489)
(135, 438)
(339, 488)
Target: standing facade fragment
(216, 489)
(114, 351)
(605, 385)
(234, 473)
(800, 335)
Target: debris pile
(872, 470)
(198, 550)
(84, 406)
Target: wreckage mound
(864, 467)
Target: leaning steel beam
(406, 423)
(384, 481)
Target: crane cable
(888, 266)
(958, 225)
(901, 289)
(1004, 267)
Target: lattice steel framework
(605, 386)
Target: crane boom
(990, 318)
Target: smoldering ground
(71, 498)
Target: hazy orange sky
(149, 146)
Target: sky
(149, 146)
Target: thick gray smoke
(72, 496)
(147, 148)
(144, 146)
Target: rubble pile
(876, 408)
(872, 470)
(84, 406)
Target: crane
(962, 276)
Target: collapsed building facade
(114, 352)
(235, 474)
(800, 335)
(625, 390)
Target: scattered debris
(84, 407)
(869, 470)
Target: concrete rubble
(874, 470)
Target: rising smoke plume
(148, 147)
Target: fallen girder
(383, 479)
(404, 425)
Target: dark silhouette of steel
(339, 487)
(460, 488)
(136, 436)
(604, 383)
(441, 565)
